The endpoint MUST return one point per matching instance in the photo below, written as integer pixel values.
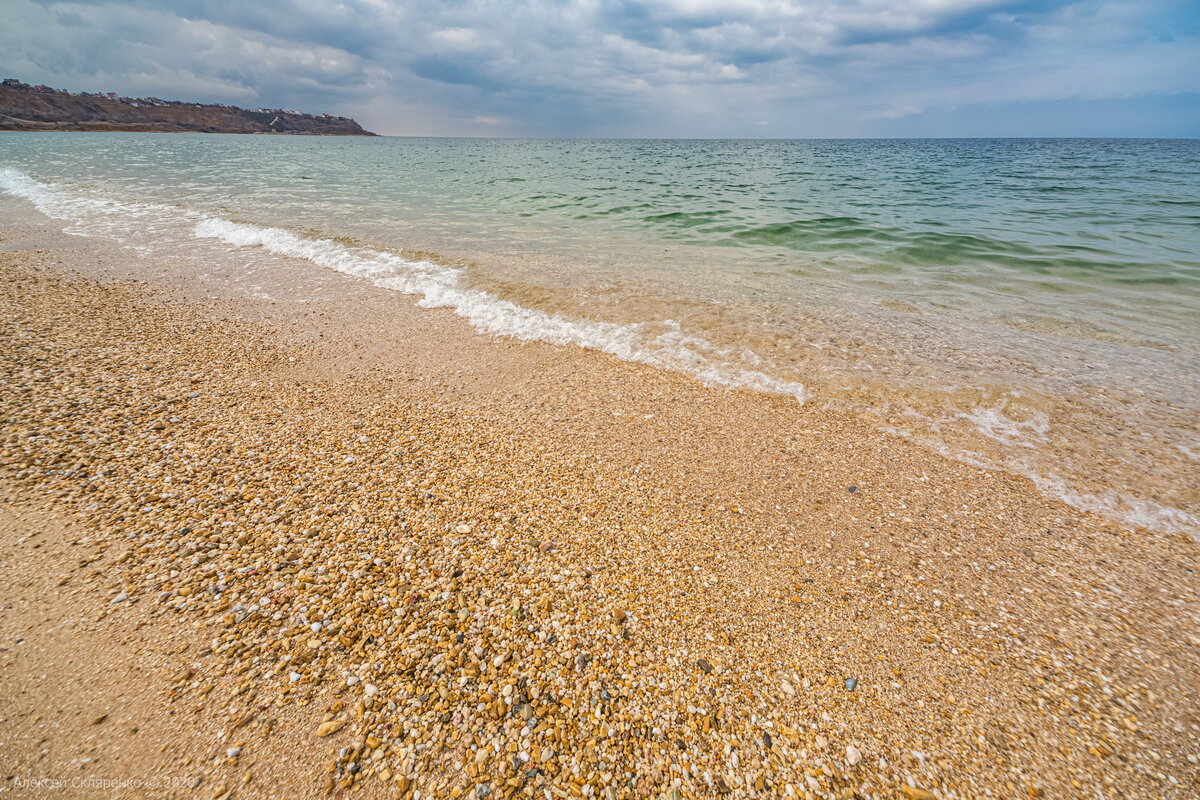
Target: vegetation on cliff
(41, 108)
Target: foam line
(660, 344)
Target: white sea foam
(1119, 507)
(146, 226)
(994, 423)
(1122, 508)
(661, 344)
(130, 223)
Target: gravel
(519, 622)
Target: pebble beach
(302, 560)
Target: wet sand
(349, 546)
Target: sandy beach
(282, 549)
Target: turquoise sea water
(1030, 305)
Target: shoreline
(138, 127)
(1122, 453)
(634, 551)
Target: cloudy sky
(685, 68)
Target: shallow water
(1030, 305)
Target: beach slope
(308, 548)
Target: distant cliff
(41, 108)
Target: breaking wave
(151, 227)
(660, 343)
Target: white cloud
(602, 67)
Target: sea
(1025, 305)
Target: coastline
(1104, 421)
(676, 581)
(56, 127)
(26, 108)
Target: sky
(667, 68)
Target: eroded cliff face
(33, 110)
